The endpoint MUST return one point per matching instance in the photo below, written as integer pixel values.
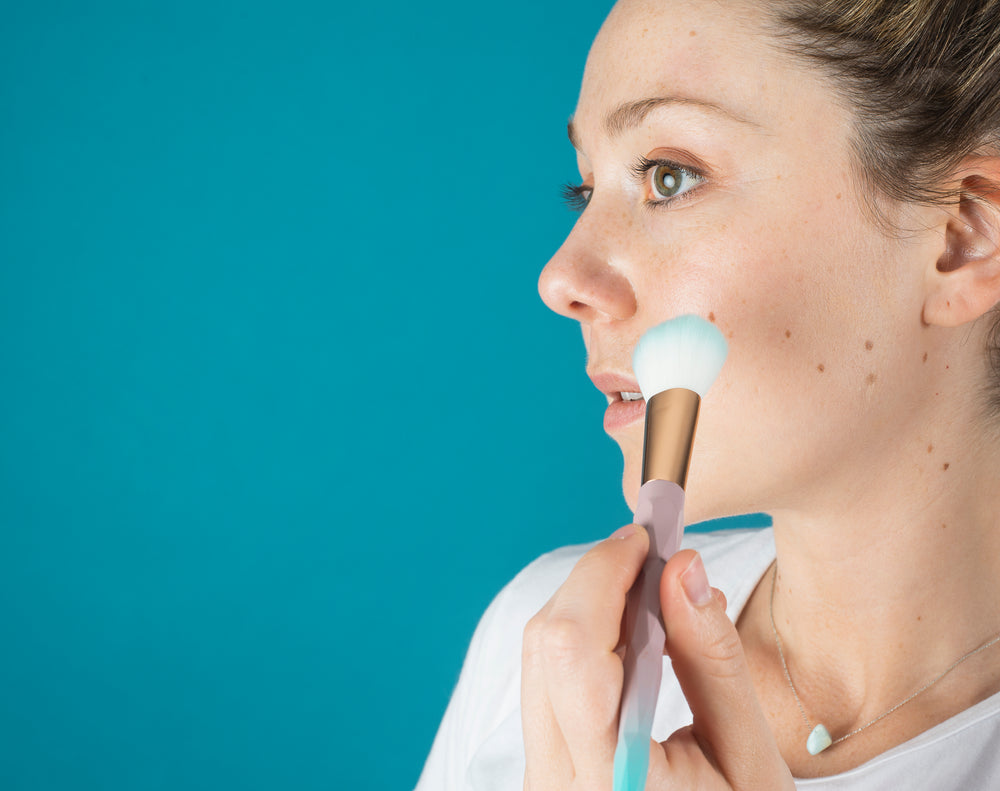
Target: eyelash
(576, 196)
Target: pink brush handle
(661, 511)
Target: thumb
(708, 660)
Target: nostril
(582, 285)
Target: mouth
(626, 406)
(625, 410)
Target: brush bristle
(687, 351)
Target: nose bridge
(586, 280)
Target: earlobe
(966, 281)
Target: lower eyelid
(666, 203)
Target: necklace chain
(788, 676)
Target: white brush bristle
(687, 351)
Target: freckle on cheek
(711, 316)
(788, 333)
(925, 356)
(869, 345)
(930, 448)
(946, 466)
(871, 379)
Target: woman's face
(720, 182)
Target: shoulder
(536, 583)
(726, 549)
(734, 560)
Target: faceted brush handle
(661, 511)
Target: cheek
(743, 279)
(807, 315)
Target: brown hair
(923, 77)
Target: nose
(583, 282)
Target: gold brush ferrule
(671, 417)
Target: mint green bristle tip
(687, 351)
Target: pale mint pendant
(818, 740)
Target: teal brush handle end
(631, 762)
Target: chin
(631, 492)
(705, 504)
(632, 468)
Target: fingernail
(624, 532)
(695, 583)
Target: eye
(668, 179)
(576, 196)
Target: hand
(572, 680)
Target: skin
(850, 409)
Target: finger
(572, 677)
(547, 759)
(583, 673)
(680, 763)
(708, 660)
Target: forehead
(703, 51)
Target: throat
(826, 723)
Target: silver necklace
(819, 737)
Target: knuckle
(562, 638)
(725, 652)
(532, 637)
(554, 639)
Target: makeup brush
(675, 362)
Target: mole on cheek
(869, 345)
(925, 356)
(946, 466)
(821, 367)
(711, 316)
(788, 333)
(930, 448)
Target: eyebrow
(629, 115)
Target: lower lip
(621, 414)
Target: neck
(911, 559)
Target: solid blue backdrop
(281, 408)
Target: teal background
(281, 410)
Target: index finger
(570, 650)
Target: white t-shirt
(479, 745)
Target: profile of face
(718, 179)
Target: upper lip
(613, 384)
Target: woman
(819, 179)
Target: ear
(965, 284)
